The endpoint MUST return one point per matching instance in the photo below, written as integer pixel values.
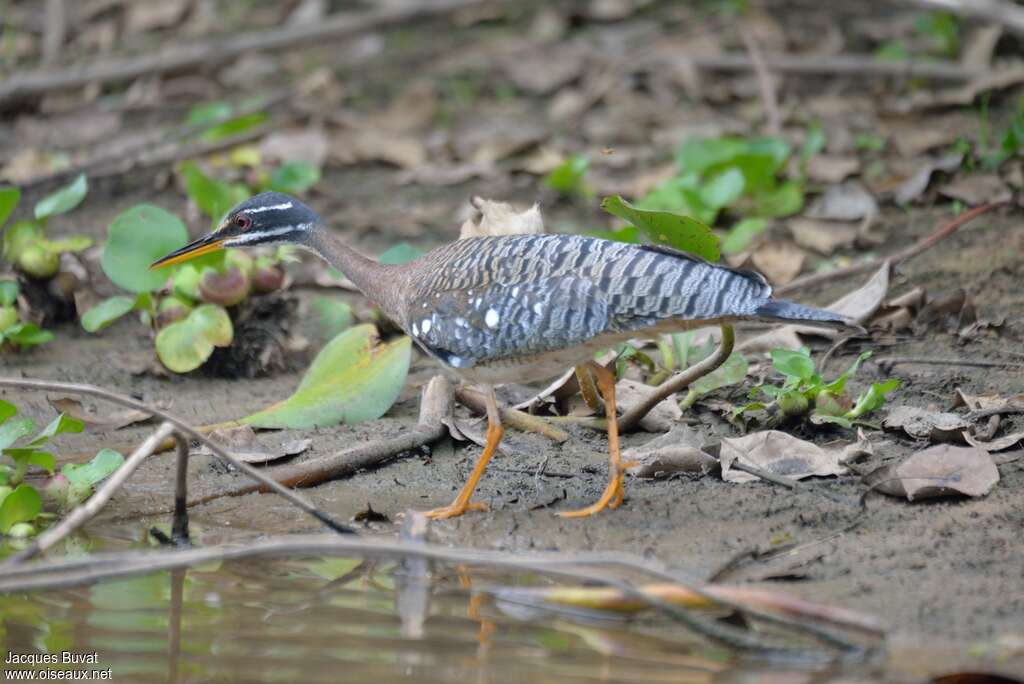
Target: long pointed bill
(204, 245)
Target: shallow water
(343, 619)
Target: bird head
(265, 219)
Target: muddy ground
(946, 575)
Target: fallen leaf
(352, 379)
(659, 419)
(849, 201)
(915, 185)
(362, 144)
(983, 402)
(942, 470)
(111, 421)
(1002, 444)
(677, 451)
(980, 188)
(782, 454)
(542, 72)
(501, 218)
(296, 145)
(779, 261)
(826, 168)
(823, 237)
(935, 426)
(242, 443)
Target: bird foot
(454, 510)
(612, 498)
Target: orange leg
(613, 493)
(461, 504)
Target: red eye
(243, 221)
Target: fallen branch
(96, 567)
(95, 503)
(906, 254)
(217, 51)
(188, 431)
(435, 406)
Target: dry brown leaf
(849, 201)
(661, 418)
(824, 237)
(779, 261)
(979, 188)
(915, 185)
(935, 426)
(783, 454)
(983, 402)
(542, 72)
(501, 218)
(147, 15)
(242, 443)
(942, 470)
(828, 168)
(1002, 444)
(296, 145)
(355, 145)
(677, 451)
(110, 421)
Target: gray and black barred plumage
(525, 307)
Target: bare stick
(435, 406)
(896, 258)
(765, 82)
(188, 431)
(179, 528)
(55, 30)
(94, 504)
(219, 50)
(512, 417)
(631, 418)
(1007, 14)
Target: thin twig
(896, 258)
(631, 418)
(94, 504)
(187, 430)
(216, 51)
(72, 572)
(179, 528)
(512, 417)
(765, 83)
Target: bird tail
(791, 312)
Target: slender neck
(382, 283)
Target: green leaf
(680, 232)
(213, 197)
(724, 189)
(57, 426)
(352, 379)
(837, 420)
(7, 410)
(186, 344)
(568, 177)
(106, 312)
(13, 430)
(8, 292)
(26, 456)
(335, 316)
(235, 126)
(17, 236)
(630, 234)
(838, 385)
(63, 200)
(698, 155)
(785, 200)
(75, 243)
(873, 398)
(9, 198)
(137, 238)
(294, 178)
(208, 113)
(741, 235)
(21, 505)
(793, 363)
(893, 51)
(99, 468)
(27, 335)
(401, 253)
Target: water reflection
(339, 619)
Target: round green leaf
(8, 292)
(186, 344)
(294, 178)
(64, 200)
(21, 505)
(100, 467)
(106, 312)
(137, 238)
(8, 201)
(18, 236)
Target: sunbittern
(521, 308)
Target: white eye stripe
(270, 207)
(246, 238)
